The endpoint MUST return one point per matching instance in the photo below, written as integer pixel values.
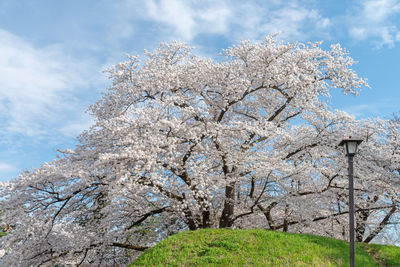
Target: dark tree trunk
(362, 218)
(190, 221)
(206, 218)
(286, 219)
(227, 212)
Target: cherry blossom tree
(182, 142)
(377, 189)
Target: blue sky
(52, 54)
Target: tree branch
(381, 225)
(145, 216)
(129, 246)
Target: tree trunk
(267, 213)
(286, 219)
(206, 218)
(362, 218)
(227, 212)
(190, 221)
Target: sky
(53, 53)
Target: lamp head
(350, 145)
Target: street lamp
(350, 148)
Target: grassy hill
(225, 247)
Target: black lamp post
(350, 148)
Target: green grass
(389, 255)
(224, 247)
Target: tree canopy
(182, 142)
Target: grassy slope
(390, 255)
(261, 248)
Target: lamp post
(350, 148)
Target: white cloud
(39, 88)
(372, 109)
(7, 171)
(75, 128)
(292, 22)
(374, 21)
(292, 19)
(235, 19)
(5, 167)
(380, 10)
(187, 19)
